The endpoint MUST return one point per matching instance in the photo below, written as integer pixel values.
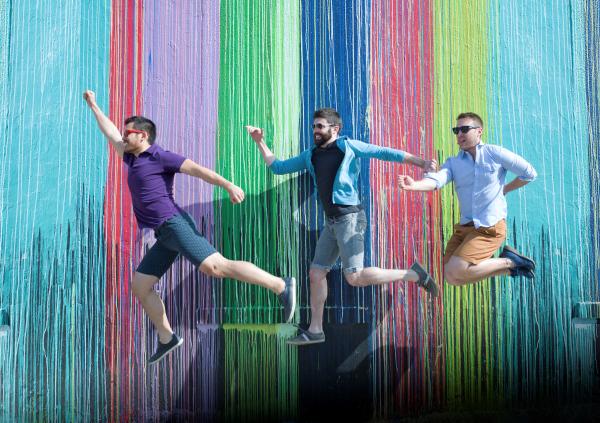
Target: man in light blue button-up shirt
(479, 172)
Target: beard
(321, 139)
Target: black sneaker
(163, 349)
(288, 299)
(425, 280)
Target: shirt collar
(462, 153)
(152, 150)
(339, 141)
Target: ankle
(280, 288)
(315, 329)
(165, 337)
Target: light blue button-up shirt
(479, 183)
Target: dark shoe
(519, 271)
(524, 266)
(305, 337)
(288, 299)
(425, 280)
(163, 349)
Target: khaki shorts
(475, 244)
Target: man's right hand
(255, 133)
(90, 97)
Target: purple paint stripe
(180, 89)
(181, 51)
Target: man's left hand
(430, 165)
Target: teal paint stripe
(536, 110)
(52, 195)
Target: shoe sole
(299, 344)
(178, 344)
(515, 252)
(291, 316)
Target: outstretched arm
(278, 167)
(426, 165)
(367, 150)
(407, 183)
(108, 128)
(189, 167)
(258, 137)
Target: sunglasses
(320, 126)
(132, 131)
(463, 129)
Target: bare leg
(218, 266)
(377, 276)
(460, 272)
(318, 296)
(143, 289)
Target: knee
(317, 275)
(354, 279)
(215, 267)
(140, 288)
(454, 276)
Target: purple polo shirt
(150, 179)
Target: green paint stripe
(259, 85)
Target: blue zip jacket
(345, 185)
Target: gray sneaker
(425, 280)
(288, 299)
(305, 337)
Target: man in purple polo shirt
(151, 171)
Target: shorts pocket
(488, 231)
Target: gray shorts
(178, 235)
(342, 236)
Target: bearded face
(323, 131)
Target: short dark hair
(143, 124)
(330, 115)
(471, 115)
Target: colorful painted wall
(399, 72)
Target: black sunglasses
(321, 126)
(463, 129)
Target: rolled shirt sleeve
(514, 163)
(443, 176)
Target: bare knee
(317, 275)
(453, 280)
(354, 279)
(216, 266)
(142, 285)
(454, 275)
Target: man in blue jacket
(334, 166)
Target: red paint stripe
(402, 104)
(125, 79)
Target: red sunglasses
(132, 131)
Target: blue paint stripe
(335, 69)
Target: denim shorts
(344, 237)
(178, 235)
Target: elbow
(275, 168)
(530, 176)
